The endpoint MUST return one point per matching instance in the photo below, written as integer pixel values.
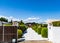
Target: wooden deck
(36, 41)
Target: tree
(11, 21)
(3, 19)
(21, 23)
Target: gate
(8, 33)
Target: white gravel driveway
(32, 35)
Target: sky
(30, 10)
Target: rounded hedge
(19, 33)
(44, 32)
(39, 30)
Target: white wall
(15, 23)
(0, 23)
(50, 32)
(54, 34)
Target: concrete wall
(54, 34)
(0, 23)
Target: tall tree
(21, 23)
(3, 19)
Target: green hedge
(34, 28)
(56, 23)
(39, 30)
(44, 32)
(23, 27)
(19, 33)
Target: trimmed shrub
(34, 28)
(44, 32)
(39, 30)
(19, 33)
(23, 27)
(56, 23)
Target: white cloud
(31, 19)
(10, 18)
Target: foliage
(3, 19)
(44, 25)
(44, 32)
(21, 23)
(39, 30)
(23, 27)
(56, 23)
(35, 28)
(19, 33)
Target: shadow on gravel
(21, 40)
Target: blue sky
(24, 9)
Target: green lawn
(8, 24)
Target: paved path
(36, 41)
(32, 35)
